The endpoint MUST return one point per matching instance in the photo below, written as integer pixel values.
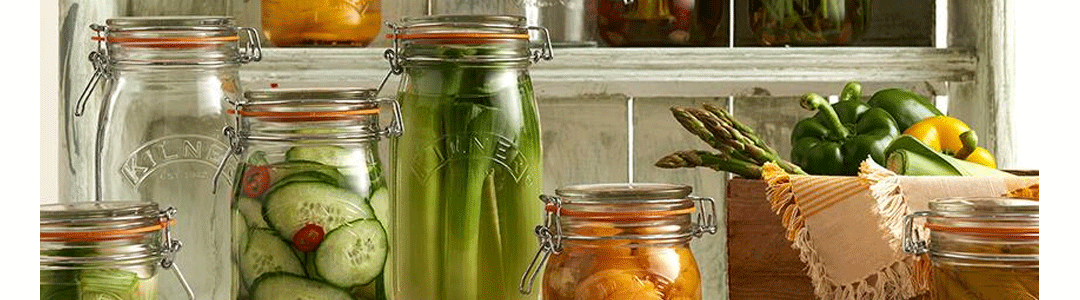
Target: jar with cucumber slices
(310, 204)
(106, 250)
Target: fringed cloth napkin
(847, 229)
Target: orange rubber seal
(105, 235)
(619, 215)
(179, 42)
(1018, 231)
(461, 35)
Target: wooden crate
(761, 262)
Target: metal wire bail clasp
(392, 55)
(170, 247)
(236, 145)
(706, 216)
(251, 49)
(550, 237)
(396, 127)
(545, 52)
(100, 60)
(913, 243)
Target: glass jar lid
(1012, 217)
(85, 234)
(465, 39)
(171, 40)
(330, 114)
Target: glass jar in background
(310, 204)
(647, 23)
(620, 241)
(469, 165)
(158, 135)
(565, 20)
(979, 248)
(808, 23)
(106, 250)
(289, 23)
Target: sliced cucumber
(266, 253)
(279, 286)
(252, 209)
(239, 232)
(328, 155)
(352, 254)
(380, 203)
(284, 169)
(306, 176)
(292, 206)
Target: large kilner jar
(468, 167)
(310, 205)
(106, 250)
(979, 248)
(158, 136)
(620, 241)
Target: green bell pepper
(839, 137)
(906, 107)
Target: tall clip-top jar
(979, 248)
(620, 241)
(468, 166)
(310, 204)
(106, 250)
(168, 80)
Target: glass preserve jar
(288, 23)
(310, 204)
(158, 135)
(647, 23)
(469, 161)
(620, 241)
(979, 248)
(106, 250)
(808, 23)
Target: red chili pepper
(308, 238)
(256, 181)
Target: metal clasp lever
(706, 216)
(550, 243)
(396, 127)
(913, 243)
(171, 247)
(545, 52)
(100, 61)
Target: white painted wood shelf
(648, 71)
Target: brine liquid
(467, 181)
(984, 283)
(612, 272)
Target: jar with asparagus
(467, 170)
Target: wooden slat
(761, 262)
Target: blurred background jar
(570, 23)
(808, 22)
(645, 23)
(289, 23)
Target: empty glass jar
(621, 241)
(980, 248)
(158, 138)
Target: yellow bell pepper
(951, 136)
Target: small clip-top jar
(979, 248)
(621, 241)
(106, 250)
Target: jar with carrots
(621, 241)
